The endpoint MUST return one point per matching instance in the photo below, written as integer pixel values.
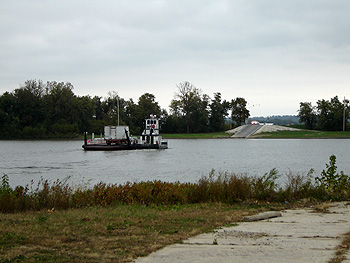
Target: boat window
(148, 121)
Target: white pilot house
(150, 134)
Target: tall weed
(264, 187)
(336, 185)
(221, 187)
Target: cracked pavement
(298, 236)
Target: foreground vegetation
(115, 233)
(223, 187)
(115, 223)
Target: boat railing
(96, 141)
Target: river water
(184, 161)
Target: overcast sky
(275, 54)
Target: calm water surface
(184, 161)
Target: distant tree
(60, 104)
(200, 114)
(51, 109)
(190, 104)
(114, 108)
(218, 112)
(97, 107)
(146, 106)
(9, 120)
(131, 115)
(174, 124)
(239, 110)
(27, 106)
(331, 114)
(307, 115)
(84, 107)
(8, 103)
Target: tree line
(327, 115)
(52, 110)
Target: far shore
(285, 134)
(300, 134)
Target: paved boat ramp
(297, 236)
(245, 131)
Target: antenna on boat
(118, 107)
(115, 96)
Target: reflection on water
(184, 161)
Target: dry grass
(342, 249)
(322, 208)
(108, 234)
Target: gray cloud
(274, 53)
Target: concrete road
(298, 236)
(246, 131)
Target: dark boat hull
(118, 147)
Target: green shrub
(337, 186)
(264, 187)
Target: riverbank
(303, 134)
(117, 223)
(109, 234)
(264, 133)
(268, 132)
(122, 233)
(211, 135)
(116, 233)
(285, 132)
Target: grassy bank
(223, 187)
(301, 134)
(110, 234)
(304, 134)
(212, 135)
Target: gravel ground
(274, 128)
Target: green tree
(307, 115)
(331, 114)
(146, 106)
(97, 107)
(218, 112)
(239, 111)
(27, 105)
(98, 118)
(85, 111)
(114, 109)
(192, 106)
(61, 110)
(200, 114)
(9, 121)
(131, 116)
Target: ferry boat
(118, 138)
